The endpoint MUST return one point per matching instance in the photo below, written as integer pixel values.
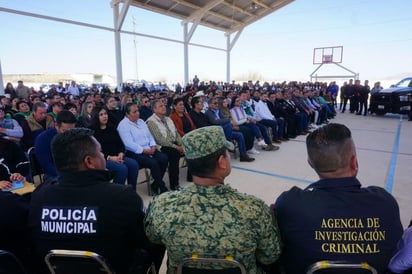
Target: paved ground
(384, 151)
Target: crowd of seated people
(261, 115)
(255, 117)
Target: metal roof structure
(228, 16)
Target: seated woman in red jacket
(182, 121)
(180, 118)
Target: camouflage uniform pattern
(213, 221)
(204, 141)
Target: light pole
(135, 47)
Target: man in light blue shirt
(141, 146)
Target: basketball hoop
(327, 55)
(327, 59)
(333, 56)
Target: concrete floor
(384, 152)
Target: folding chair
(235, 151)
(182, 161)
(202, 265)
(4, 166)
(35, 168)
(61, 261)
(23, 168)
(321, 265)
(9, 263)
(148, 180)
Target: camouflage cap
(204, 141)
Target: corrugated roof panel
(225, 15)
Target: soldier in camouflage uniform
(209, 218)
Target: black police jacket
(337, 219)
(84, 211)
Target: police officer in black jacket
(83, 210)
(336, 218)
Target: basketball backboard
(327, 55)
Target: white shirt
(73, 90)
(262, 111)
(135, 136)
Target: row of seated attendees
(333, 218)
(245, 119)
(74, 89)
(355, 92)
(208, 217)
(286, 112)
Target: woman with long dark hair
(183, 123)
(85, 114)
(181, 118)
(9, 89)
(113, 148)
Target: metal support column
(1, 80)
(187, 36)
(118, 50)
(118, 19)
(227, 57)
(229, 47)
(185, 55)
